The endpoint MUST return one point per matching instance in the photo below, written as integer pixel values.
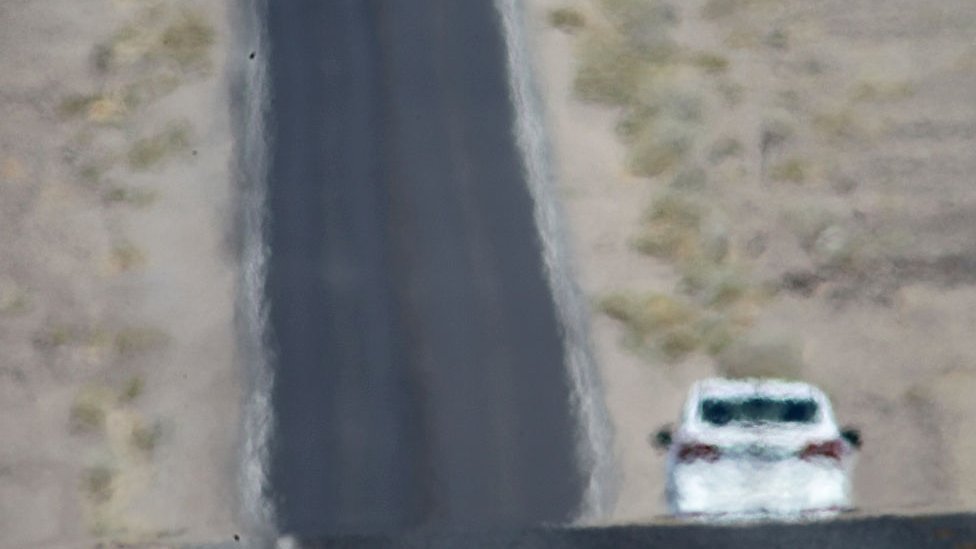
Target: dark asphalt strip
(419, 378)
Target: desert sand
(119, 393)
(776, 188)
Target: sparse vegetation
(56, 335)
(677, 343)
(725, 147)
(187, 40)
(792, 170)
(720, 9)
(139, 198)
(672, 228)
(98, 483)
(711, 63)
(778, 38)
(841, 124)
(134, 341)
(14, 299)
(657, 321)
(567, 19)
(126, 256)
(87, 412)
(76, 105)
(150, 151)
(146, 438)
(100, 108)
(182, 38)
(882, 90)
(690, 178)
(655, 152)
(133, 389)
(648, 313)
(608, 70)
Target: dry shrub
(98, 483)
(148, 152)
(126, 256)
(137, 340)
(87, 413)
(187, 40)
(133, 389)
(791, 170)
(139, 198)
(145, 438)
(690, 178)
(711, 63)
(672, 228)
(608, 70)
(566, 19)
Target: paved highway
(419, 373)
(956, 531)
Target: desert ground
(119, 398)
(779, 188)
(754, 187)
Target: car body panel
(758, 469)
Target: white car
(758, 448)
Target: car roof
(741, 388)
(823, 427)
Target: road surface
(957, 531)
(419, 373)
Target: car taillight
(690, 451)
(832, 449)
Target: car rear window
(758, 410)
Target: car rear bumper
(745, 489)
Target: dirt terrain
(776, 188)
(118, 392)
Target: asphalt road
(419, 378)
(957, 531)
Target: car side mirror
(661, 439)
(852, 435)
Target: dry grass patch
(132, 389)
(611, 60)
(656, 151)
(126, 256)
(76, 105)
(723, 148)
(149, 152)
(88, 411)
(690, 178)
(182, 38)
(145, 438)
(187, 40)
(711, 63)
(109, 107)
(608, 69)
(565, 19)
(14, 298)
(882, 90)
(791, 170)
(137, 340)
(98, 483)
(721, 9)
(672, 228)
(658, 321)
(648, 313)
(841, 124)
(138, 198)
(57, 335)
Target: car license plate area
(762, 453)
